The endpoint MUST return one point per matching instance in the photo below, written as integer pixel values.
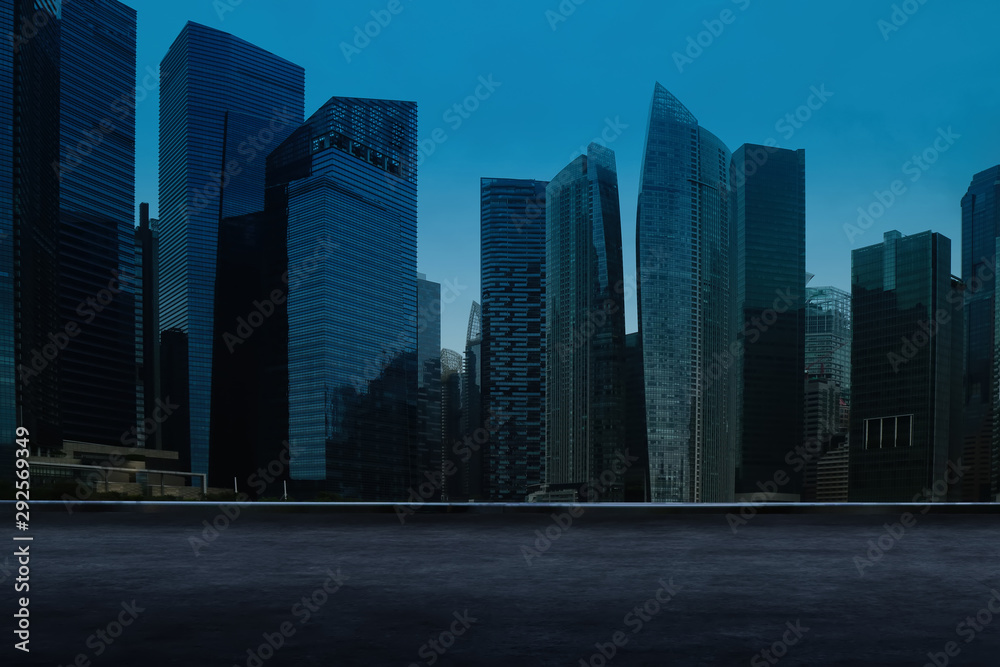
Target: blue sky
(892, 89)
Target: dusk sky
(925, 74)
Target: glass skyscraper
(426, 451)
(473, 485)
(224, 105)
(980, 230)
(585, 324)
(682, 258)
(828, 343)
(906, 368)
(9, 398)
(348, 181)
(512, 233)
(768, 277)
(68, 164)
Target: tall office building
(906, 369)
(585, 324)
(980, 230)
(9, 397)
(768, 279)
(345, 186)
(682, 258)
(224, 105)
(426, 452)
(637, 476)
(512, 233)
(475, 435)
(147, 329)
(452, 454)
(68, 163)
(828, 344)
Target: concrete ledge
(605, 509)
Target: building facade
(585, 325)
(426, 450)
(682, 258)
(512, 233)
(768, 277)
(344, 185)
(906, 369)
(224, 105)
(980, 230)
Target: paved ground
(403, 586)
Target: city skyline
(869, 123)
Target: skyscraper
(768, 277)
(224, 105)
(828, 343)
(980, 230)
(9, 395)
(512, 234)
(147, 320)
(585, 324)
(346, 183)
(906, 369)
(69, 162)
(474, 436)
(451, 425)
(427, 446)
(682, 258)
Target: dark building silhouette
(585, 324)
(452, 453)
(768, 277)
(174, 383)
(980, 230)
(224, 105)
(906, 370)
(683, 294)
(68, 162)
(147, 328)
(475, 431)
(249, 378)
(343, 185)
(10, 398)
(512, 233)
(426, 452)
(637, 477)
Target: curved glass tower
(682, 260)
